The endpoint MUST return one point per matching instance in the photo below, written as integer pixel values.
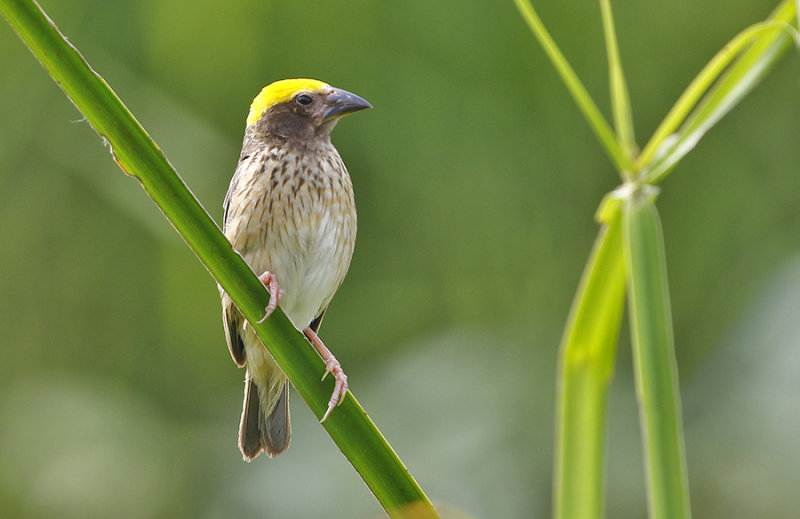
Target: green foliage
(589, 344)
(587, 366)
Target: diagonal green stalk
(351, 429)
(757, 48)
(655, 365)
(700, 85)
(586, 367)
(620, 101)
(582, 98)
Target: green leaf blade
(655, 366)
(620, 100)
(579, 93)
(753, 53)
(587, 358)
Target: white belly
(309, 270)
(302, 232)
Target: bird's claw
(340, 387)
(270, 281)
(331, 366)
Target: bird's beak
(341, 102)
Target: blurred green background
(476, 181)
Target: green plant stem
(655, 365)
(582, 98)
(138, 156)
(758, 47)
(620, 100)
(630, 247)
(586, 367)
(699, 86)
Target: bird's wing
(315, 324)
(232, 321)
(225, 205)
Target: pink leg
(270, 281)
(332, 366)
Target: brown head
(300, 110)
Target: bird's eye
(303, 99)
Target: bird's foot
(270, 281)
(340, 387)
(333, 367)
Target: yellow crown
(280, 92)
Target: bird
(290, 214)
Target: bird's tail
(265, 424)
